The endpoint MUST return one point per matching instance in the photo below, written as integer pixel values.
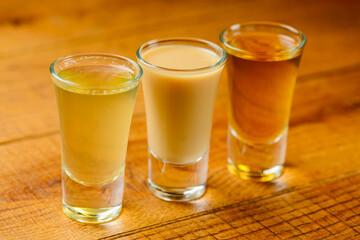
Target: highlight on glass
(96, 95)
(180, 81)
(263, 60)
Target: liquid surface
(95, 127)
(95, 78)
(181, 57)
(179, 107)
(262, 42)
(261, 88)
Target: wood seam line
(353, 68)
(30, 137)
(233, 205)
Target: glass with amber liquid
(96, 95)
(263, 60)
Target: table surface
(317, 197)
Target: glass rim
(266, 23)
(109, 55)
(221, 61)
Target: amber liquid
(261, 85)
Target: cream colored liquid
(95, 123)
(179, 105)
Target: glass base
(91, 215)
(261, 162)
(245, 172)
(176, 194)
(176, 182)
(92, 204)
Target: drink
(180, 107)
(96, 100)
(180, 84)
(262, 67)
(95, 126)
(261, 87)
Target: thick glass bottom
(176, 194)
(91, 215)
(246, 173)
(176, 182)
(261, 162)
(92, 204)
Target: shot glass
(263, 59)
(180, 81)
(96, 95)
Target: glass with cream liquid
(96, 95)
(180, 81)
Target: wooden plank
(37, 26)
(27, 102)
(74, 27)
(326, 210)
(323, 142)
(30, 199)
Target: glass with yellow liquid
(263, 60)
(96, 95)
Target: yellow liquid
(95, 122)
(179, 105)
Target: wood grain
(328, 209)
(32, 170)
(317, 196)
(34, 99)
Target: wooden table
(317, 197)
